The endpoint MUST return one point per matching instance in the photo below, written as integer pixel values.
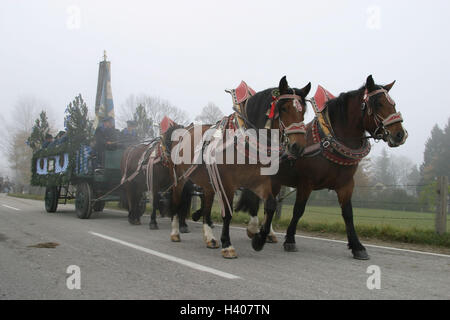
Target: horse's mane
(337, 107)
(258, 105)
(166, 137)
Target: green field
(390, 225)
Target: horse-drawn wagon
(68, 173)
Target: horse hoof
(229, 253)
(360, 255)
(271, 238)
(196, 215)
(153, 226)
(290, 247)
(184, 229)
(212, 244)
(250, 234)
(258, 242)
(175, 238)
(135, 222)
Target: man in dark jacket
(129, 134)
(48, 140)
(105, 138)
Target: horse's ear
(304, 91)
(389, 86)
(283, 86)
(370, 84)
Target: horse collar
(331, 148)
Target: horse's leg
(303, 194)
(185, 207)
(208, 235)
(253, 202)
(156, 199)
(228, 251)
(175, 207)
(271, 237)
(133, 203)
(270, 205)
(345, 196)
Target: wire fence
(403, 206)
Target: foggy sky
(188, 52)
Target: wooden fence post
(441, 211)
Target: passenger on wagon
(129, 134)
(105, 138)
(47, 141)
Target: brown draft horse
(368, 109)
(290, 108)
(160, 180)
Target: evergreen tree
(79, 128)
(383, 170)
(434, 150)
(40, 129)
(144, 123)
(443, 160)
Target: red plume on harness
(272, 107)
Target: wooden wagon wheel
(51, 199)
(83, 200)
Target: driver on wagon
(105, 138)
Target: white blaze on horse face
(274, 148)
(175, 226)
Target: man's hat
(132, 123)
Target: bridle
(293, 128)
(381, 132)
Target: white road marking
(10, 207)
(186, 263)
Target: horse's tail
(248, 202)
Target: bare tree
(210, 114)
(155, 107)
(15, 133)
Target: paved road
(120, 261)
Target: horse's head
(380, 118)
(289, 108)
